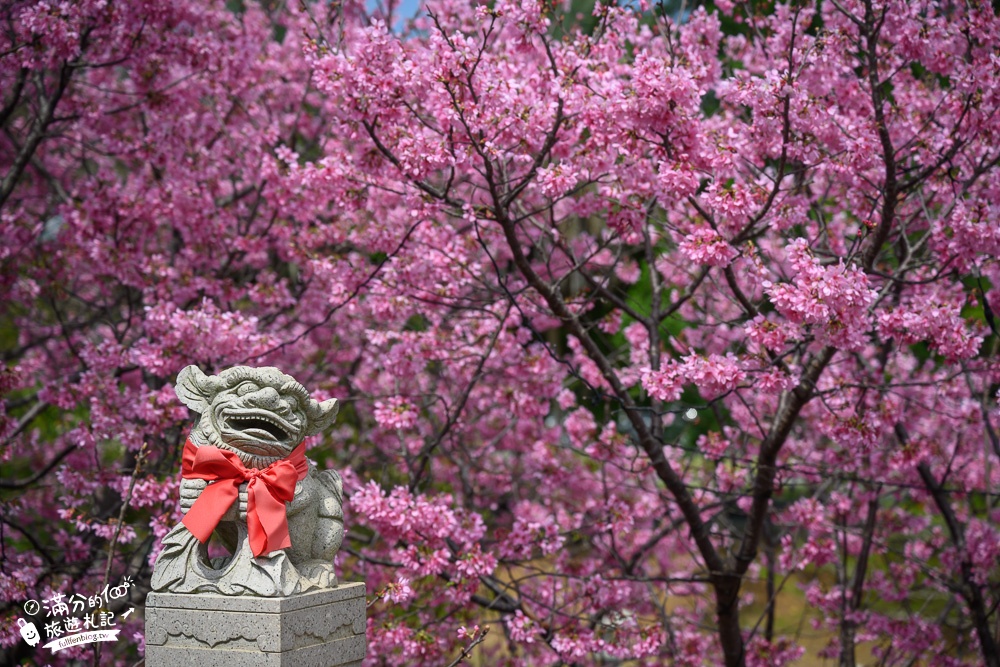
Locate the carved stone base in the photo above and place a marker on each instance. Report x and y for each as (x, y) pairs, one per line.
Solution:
(320, 629)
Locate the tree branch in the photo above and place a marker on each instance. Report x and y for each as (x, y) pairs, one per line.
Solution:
(46, 111)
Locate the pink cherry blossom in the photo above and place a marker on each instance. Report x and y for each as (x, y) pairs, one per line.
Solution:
(647, 329)
(705, 246)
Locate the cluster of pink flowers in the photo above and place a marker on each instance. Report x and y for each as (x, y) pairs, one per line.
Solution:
(664, 384)
(712, 374)
(448, 541)
(835, 299)
(705, 246)
(606, 299)
(936, 319)
(396, 413)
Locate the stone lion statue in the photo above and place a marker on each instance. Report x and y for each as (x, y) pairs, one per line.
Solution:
(246, 482)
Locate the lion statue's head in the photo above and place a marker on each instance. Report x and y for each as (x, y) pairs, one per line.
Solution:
(261, 414)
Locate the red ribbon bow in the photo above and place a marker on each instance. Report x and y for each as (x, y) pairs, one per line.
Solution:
(267, 492)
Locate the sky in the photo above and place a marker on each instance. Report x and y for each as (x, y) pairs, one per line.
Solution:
(405, 9)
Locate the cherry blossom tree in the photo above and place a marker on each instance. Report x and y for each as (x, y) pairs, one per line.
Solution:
(645, 320)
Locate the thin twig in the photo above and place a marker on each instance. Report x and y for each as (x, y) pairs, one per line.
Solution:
(477, 639)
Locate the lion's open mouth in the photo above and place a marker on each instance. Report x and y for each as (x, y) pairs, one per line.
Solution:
(261, 426)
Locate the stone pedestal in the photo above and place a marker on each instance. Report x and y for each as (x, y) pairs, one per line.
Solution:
(321, 629)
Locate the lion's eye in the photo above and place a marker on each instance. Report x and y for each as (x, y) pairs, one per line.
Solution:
(246, 388)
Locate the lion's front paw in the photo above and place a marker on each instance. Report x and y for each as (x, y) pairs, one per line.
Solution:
(190, 490)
